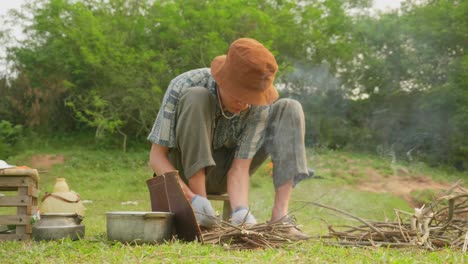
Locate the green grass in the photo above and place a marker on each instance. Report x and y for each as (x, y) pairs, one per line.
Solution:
(110, 177)
(100, 251)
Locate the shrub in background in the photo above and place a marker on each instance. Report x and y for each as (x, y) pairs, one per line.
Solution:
(9, 136)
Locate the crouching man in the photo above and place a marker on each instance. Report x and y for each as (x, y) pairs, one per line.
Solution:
(217, 125)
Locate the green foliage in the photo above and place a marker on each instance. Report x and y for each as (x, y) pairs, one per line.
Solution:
(416, 81)
(9, 136)
(394, 82)
(95, 112)
(98, 52)
(110, 61)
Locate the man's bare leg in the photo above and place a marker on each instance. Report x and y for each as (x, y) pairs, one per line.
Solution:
(282, 197)
(238, 183)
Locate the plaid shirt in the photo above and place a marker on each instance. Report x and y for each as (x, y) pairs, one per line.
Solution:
(245, 131)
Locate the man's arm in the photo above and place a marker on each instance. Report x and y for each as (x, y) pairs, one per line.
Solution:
(160, 164)
(238, 183)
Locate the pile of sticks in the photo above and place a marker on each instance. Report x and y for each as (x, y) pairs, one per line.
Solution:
(259, 236)
(442, 223)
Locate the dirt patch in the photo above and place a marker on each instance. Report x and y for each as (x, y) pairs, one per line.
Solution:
(399, 185)
(46, 161)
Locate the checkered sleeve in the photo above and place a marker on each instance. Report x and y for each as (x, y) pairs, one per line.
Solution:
(163, 129)
(253, 134)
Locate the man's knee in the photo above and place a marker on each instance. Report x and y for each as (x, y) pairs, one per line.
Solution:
(289, 108)
(290, 104)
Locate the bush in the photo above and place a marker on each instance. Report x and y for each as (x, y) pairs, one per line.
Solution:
(9, 136)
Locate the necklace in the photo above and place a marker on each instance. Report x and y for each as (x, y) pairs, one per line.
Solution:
(221, 106)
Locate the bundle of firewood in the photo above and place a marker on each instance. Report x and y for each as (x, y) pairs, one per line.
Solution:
(259, 236)
(442, 223)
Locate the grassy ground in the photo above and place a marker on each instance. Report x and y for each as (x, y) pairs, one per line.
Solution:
(110, 178)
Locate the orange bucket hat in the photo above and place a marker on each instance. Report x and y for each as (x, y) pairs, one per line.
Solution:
(247, 72)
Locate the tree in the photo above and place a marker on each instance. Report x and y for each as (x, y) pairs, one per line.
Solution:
(412, 68)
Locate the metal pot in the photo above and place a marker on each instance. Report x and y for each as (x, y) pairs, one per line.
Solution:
(140, 227)
(53, 226)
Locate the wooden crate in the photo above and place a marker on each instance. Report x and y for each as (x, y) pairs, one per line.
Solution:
(24, 184)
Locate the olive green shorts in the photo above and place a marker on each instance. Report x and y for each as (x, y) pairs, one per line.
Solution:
(283, 142)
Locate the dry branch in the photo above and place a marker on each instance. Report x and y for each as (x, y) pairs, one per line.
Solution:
(267, 235)
(442, 223)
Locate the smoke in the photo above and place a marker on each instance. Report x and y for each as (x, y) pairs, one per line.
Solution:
(312, 80)
(324, 101)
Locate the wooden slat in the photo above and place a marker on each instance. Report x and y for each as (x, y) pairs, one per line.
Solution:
(8, 201)
(22, 191)
(20, 172)
(14, 181)
(22, 229)
(5, 237)
(218, 197)
(15, 219)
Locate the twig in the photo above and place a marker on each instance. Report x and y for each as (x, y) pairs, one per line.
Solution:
(399, 225)
(465, 244)
(348, 214)
(367, 243)
(436, 225)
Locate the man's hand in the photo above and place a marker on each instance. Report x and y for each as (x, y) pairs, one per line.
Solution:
(204, 212)
(242, 216)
